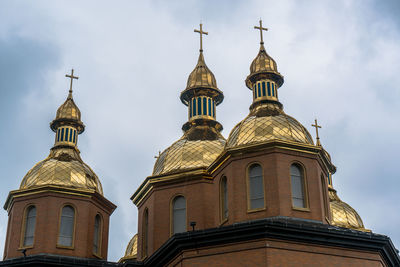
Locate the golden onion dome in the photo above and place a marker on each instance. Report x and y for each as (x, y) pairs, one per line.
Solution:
(131, 249)
(201, 76)
(63, 167)
(68, 112)
(343, 214)
(263, 65)
(197, 148)
(265, 123)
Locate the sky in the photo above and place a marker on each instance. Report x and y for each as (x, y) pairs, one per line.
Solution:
(340, 60)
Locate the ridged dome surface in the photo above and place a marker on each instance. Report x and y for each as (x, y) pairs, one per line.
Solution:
(266, 123)
(201, 76)
(343, 214)
(63, 167)
(263, 62)
(197, 148)
(131, 249)
(68, 110)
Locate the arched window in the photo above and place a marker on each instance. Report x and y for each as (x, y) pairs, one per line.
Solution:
(256, 187)
(224, 199)
(97, 235)
(67, 224)
(298, 186)
(145, 228)
(29, 231)
(179, 215)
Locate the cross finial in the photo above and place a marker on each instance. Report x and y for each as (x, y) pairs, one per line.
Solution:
(72, 77)
(201, 36)
(261, 29)
(316, 129)
(159, 154)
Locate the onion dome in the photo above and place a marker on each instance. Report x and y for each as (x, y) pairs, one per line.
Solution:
(343, 215)
(64, 166)
(197, 148)
(202, 141)
(131, 249)
(266, 121)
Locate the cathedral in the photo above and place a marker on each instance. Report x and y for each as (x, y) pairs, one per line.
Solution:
(263, 196)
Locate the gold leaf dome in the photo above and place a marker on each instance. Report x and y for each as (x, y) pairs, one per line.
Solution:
(63, 167)
(197, 148)
(343, 214)
(68, 112)
(131, 249)
(201, 76)
(265, 123)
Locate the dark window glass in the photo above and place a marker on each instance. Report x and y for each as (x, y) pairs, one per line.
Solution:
(269, 88)
(256, 187)
(66, 134)
(58, 135)
(194, 106)
(213, 108)
(66, 226)
(209, 107)
(70, 135)
(263, 88)
(198, 106)
(273, 89)
(224, 198)
(190, 109)
(297, 181)
(30, 222)
(204, 106)
(97, 234)
(145, 232)
(259, 90)
(62, 134)
(179, 215)
(75, 136)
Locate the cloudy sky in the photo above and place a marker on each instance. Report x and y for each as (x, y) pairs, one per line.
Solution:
(340, 59)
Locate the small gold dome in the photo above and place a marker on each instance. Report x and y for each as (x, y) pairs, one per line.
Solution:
(63, 167)
(197, 148)
(267, 122)
(201, 76)
(263, 62)
(131, 249)
(343, 214)
(68, 112)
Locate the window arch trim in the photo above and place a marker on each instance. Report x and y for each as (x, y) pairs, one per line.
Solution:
(100, 234)
(223, 200)
(305, 186)
(249, 209)
(171, 220)
(24, 225)
(145, 233)
(73, 230)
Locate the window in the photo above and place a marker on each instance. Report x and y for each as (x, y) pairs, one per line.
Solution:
(97, 235)
(297, 180)
(209, 107)
(273, 89)
(263, 88)
(58, 135)
(324, 195)
(145, 228)
(62, 134)
(224, 199)
(199, 106)
(256, 187)
(213, 108)
(179, 215)
(75, 136)
(269, 88)
(204, 106)
(259, 90)
(29, 231)
(67, 224)
(194, 106)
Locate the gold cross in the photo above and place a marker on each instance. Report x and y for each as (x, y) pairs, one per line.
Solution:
(201, 36)
(316, 129)
(261, 29)
(159, 153)
(72, 77)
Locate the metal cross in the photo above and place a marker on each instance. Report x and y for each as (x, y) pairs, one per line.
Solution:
(261, 29)
(201, 36)
(159, 154)
(316, 129)
(72, 77)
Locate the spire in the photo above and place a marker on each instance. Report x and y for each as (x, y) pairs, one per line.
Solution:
(201, 94)
(264, 78)
(68, 125)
